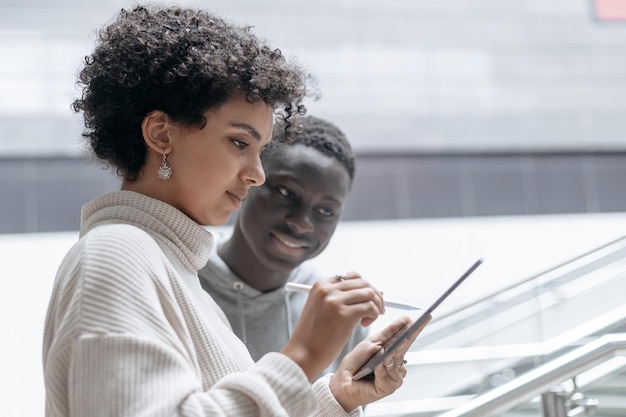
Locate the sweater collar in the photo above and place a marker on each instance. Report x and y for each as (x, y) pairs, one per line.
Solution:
(186, 239)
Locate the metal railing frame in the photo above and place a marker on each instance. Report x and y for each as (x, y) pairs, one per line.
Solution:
(542, 379)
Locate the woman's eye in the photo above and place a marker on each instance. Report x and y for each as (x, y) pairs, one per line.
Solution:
(239, 143)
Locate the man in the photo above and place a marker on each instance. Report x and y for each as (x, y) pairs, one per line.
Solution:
(283, 223)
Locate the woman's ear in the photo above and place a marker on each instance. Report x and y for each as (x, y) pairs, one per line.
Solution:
(158, 129)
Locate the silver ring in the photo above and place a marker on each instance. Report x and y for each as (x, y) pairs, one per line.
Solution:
(340, 277)
(404, 362)
(391, 365)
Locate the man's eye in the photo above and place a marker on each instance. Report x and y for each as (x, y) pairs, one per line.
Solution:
(239, 143)
(284, 191)
(326, 212)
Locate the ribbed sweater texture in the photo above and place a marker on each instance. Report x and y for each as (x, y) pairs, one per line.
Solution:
(130, 332)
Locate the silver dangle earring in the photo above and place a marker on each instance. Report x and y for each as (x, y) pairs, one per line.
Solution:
(165, 172)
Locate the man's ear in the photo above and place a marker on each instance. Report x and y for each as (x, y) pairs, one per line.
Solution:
(158, 129)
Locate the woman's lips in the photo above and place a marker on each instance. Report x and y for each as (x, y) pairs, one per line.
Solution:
(237, 197)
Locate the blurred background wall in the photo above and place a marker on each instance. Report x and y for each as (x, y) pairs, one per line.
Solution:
(455, 107)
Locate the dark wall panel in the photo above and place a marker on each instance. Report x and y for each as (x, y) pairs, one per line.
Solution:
(434, 187)
(374, 192)
(42, 195)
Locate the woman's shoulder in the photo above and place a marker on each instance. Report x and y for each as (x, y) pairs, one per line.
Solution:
(114, 275)
(118, 237)
(118, 246)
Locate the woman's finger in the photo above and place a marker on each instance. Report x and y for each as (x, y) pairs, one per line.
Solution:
(353, 289)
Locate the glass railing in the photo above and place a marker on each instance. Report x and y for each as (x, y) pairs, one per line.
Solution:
(588, 380)
(538, 308)
(598, 366)
(468, 371)
(482, 346)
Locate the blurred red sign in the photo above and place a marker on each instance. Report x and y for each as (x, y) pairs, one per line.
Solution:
(610, 9)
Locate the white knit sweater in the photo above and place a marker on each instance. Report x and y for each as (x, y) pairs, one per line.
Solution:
(130, 332)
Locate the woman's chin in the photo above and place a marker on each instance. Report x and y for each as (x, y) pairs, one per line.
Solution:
(216, 220)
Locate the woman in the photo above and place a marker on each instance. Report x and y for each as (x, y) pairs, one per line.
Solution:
(181, 104)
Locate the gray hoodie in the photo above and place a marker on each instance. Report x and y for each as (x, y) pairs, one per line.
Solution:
(263, 321)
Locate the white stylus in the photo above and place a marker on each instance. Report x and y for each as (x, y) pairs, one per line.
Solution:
(295, 287)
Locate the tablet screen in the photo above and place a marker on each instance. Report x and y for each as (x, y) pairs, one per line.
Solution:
(403, 333)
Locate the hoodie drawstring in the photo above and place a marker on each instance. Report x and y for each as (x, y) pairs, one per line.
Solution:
(238, 287)
(288, 315)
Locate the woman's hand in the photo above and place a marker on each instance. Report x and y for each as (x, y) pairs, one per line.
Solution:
(388, 376)
(334, 306)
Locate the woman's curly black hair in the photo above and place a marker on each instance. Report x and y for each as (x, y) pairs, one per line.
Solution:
(315, 133)
(182, 62)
